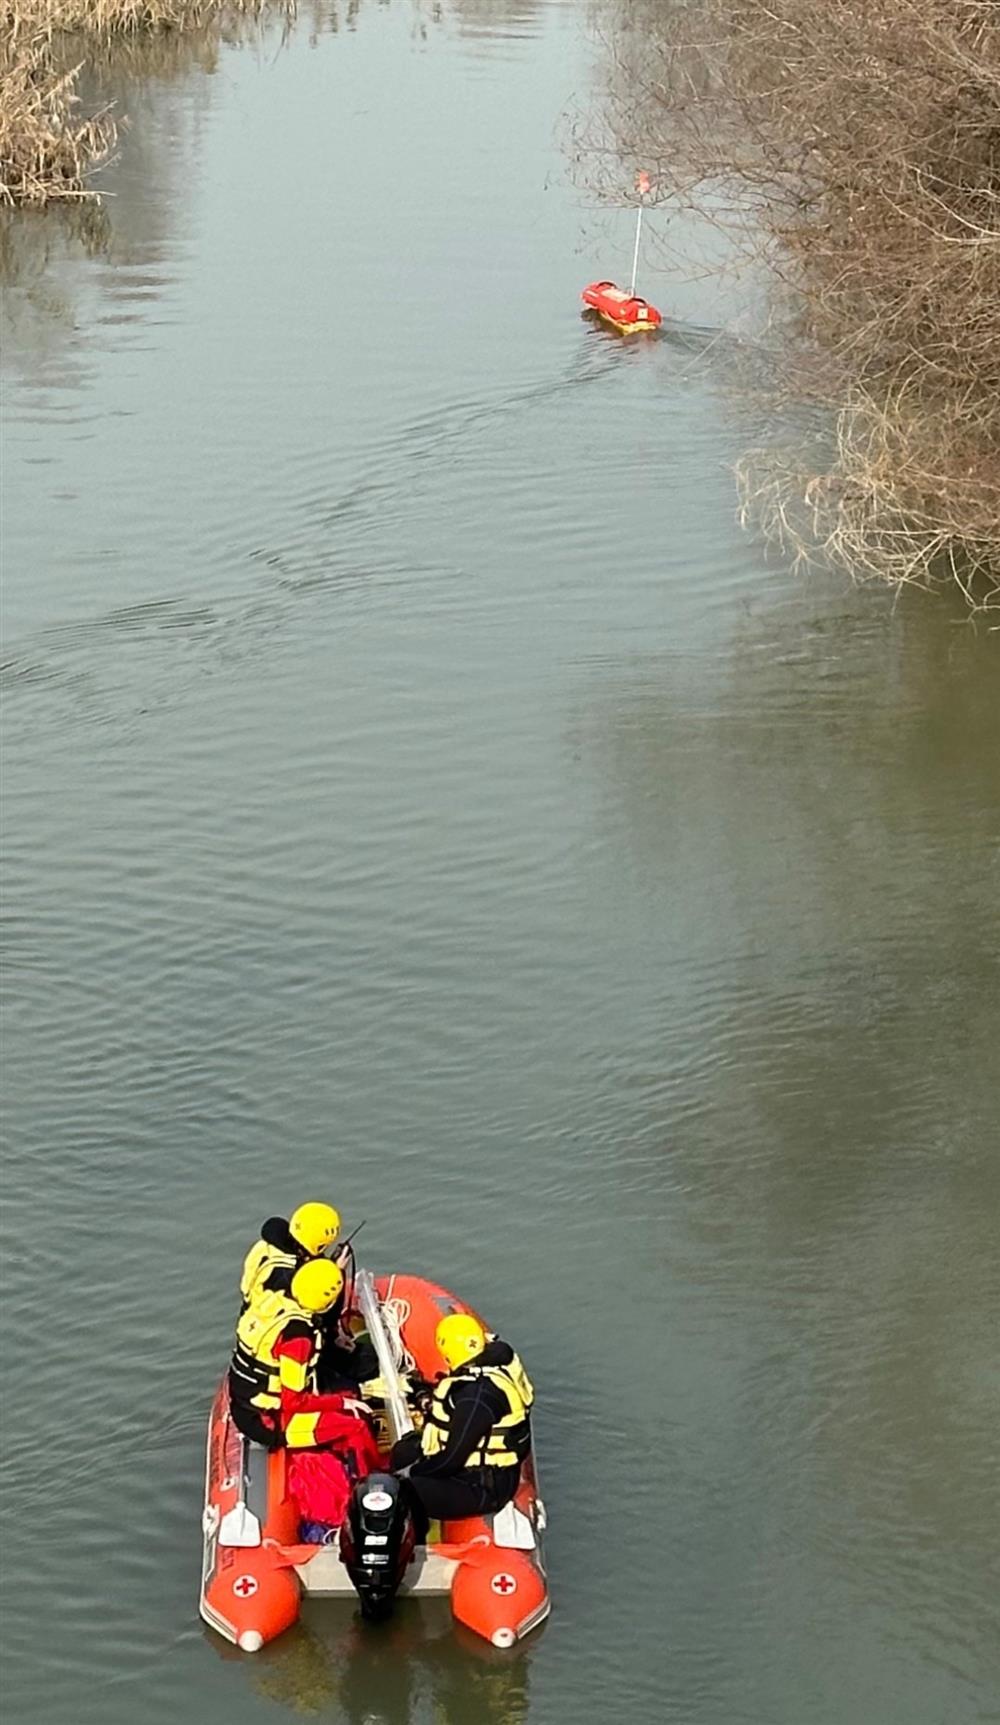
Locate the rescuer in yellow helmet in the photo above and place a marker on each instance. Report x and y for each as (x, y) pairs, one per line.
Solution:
(466, 1460)
(272, 1262)
(274, 1393)
(283, 1245)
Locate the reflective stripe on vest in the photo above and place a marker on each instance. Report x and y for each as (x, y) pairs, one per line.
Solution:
(258, 1264)
(510, 1439)
(253, 1359)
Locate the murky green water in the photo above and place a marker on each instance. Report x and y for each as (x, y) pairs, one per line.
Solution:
(418, 792)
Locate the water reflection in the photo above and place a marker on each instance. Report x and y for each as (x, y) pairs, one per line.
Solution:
(417, 1667)
(810, 1034)
(160, 87)
(495, 19)
(31, 241)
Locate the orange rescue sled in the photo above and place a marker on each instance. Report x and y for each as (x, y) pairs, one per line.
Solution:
(626, 312)
(255, 1569)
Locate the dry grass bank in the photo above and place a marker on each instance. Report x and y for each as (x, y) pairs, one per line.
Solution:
(855, 144)
(45, 150)
(48, 150)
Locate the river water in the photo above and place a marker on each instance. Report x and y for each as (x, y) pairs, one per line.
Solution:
(420, 793)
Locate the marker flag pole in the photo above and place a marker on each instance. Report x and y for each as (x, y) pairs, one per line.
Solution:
(635, 254)
(642, 186)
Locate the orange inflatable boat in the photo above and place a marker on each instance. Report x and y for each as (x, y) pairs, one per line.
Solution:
(255, 1569)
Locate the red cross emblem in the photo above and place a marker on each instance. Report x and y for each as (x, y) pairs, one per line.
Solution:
(245, 1586)
(504, 1584)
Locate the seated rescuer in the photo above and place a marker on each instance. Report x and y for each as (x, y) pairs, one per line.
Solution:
(273, 1260)
(271, 1263)
(272, 1374)
(467, 1458)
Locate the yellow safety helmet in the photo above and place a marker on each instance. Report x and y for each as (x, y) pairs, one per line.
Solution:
(459, 1337)
(315, 1285)
(315, 1226)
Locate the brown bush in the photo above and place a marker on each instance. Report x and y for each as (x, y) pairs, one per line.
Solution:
(856, 145)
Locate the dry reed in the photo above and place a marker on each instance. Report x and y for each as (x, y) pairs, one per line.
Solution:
(45, 149)
(855, 144)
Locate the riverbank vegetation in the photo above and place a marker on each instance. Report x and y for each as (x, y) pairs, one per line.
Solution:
(45, 149)
(48, 147)
(854, 147)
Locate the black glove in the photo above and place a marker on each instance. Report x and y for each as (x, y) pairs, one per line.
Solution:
(405, 1452)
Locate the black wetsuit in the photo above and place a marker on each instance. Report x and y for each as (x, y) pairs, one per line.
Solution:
(445, 1488)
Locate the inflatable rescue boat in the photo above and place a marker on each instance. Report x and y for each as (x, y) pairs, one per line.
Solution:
(255, 1567)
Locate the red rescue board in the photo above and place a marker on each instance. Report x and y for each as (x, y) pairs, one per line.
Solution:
(626, 312)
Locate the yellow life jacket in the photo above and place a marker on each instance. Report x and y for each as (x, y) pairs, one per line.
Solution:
(510, 1439)
(255, 1373)
(261, 1259)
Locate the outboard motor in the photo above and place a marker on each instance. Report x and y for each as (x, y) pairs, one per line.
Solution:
(377, 1541)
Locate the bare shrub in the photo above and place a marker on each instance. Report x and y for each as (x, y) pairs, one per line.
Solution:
(856, 145)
